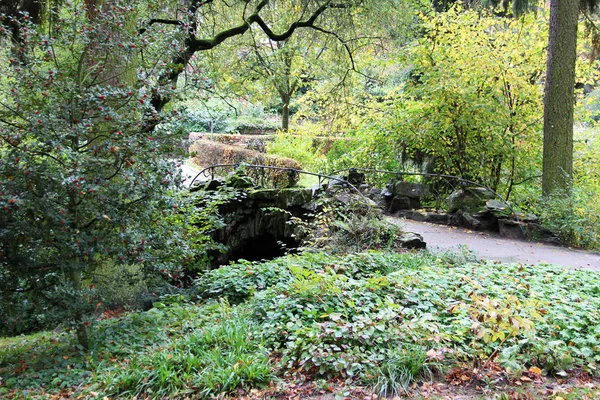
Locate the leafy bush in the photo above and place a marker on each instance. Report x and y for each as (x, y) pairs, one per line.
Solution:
(300, 148)
(574, 218)
(82, 181)
(352, 227)
(252, 125)
(471, 109)
(199, 120)
(206, 153)
(249, 142)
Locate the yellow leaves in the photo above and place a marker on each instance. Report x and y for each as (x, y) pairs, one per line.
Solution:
(536, 371)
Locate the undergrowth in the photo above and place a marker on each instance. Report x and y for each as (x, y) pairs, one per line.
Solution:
(379, 319)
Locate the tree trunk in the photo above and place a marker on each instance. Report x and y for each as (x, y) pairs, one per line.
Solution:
(285, 113)
(83, 333)
(559, 97)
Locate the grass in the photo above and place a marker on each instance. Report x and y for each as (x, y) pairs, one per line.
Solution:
(308, 181)
(378, 320)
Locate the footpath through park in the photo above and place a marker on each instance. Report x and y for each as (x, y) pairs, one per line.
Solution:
(495, 248)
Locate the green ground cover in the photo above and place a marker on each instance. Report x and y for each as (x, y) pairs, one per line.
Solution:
(380, 320)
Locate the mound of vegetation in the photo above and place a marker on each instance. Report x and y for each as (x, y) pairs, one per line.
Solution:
(207, 152)
(374, 319)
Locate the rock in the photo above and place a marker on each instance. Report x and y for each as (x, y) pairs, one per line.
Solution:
(411, 190)
(355, 178)
(412, 241)
(388, 190)
(293, 197)
(527, 230)
(347, 197)
(338, 181)
(210, 185)
(512, 229)
(214, 184)
(374, 193)
(240, 181)
(487, 220)
(398, 203)
(471, 199)
(468, 221)
(537, 232)
(429, 216)
(498, 208)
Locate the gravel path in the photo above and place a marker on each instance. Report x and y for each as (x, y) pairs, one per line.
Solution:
(494, 247)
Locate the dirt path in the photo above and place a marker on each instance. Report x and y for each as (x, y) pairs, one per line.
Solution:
(493, 247)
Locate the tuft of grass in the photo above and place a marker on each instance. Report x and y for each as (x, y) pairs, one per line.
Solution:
(399, 370)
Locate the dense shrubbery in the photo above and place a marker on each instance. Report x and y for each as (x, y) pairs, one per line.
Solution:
(83, 178)
(207, 153)
(249, 142)
(216, 117)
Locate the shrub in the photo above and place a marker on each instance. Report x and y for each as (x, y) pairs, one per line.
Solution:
(356, 226)
(206, 153)
(311, 151)
(575, 218)
(82, 181)
(298, 147)
(249, 142)
(252, 125)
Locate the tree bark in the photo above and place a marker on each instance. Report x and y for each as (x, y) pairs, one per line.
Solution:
(559, 97)
(285, 113)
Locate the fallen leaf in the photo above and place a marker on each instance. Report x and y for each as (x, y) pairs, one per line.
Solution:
(535, 371)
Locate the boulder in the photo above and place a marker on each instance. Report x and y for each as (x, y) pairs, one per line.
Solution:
(498, 208)
(209, 186)
(411, 190)
(411, 240)
(512, 229)
(470, 199)
(239, 181)
(374, 193)
(467, 220)
(336, 182)
(355, 178)
(398, 203)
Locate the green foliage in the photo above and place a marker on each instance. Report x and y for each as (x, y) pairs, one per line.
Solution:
(402, 367)
(83, 181)
(212, 115)
(301, 148)
(165, 352)
(207, 153)
(574, 218)
(249, 142)
(375, 318)
(199, 215)
(352, 226)
(209, 359)
(471, 103)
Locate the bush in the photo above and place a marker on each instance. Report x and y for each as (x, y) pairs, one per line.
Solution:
(252, 125)
(249, 142)
(575, 218)
(356, 226)
(298, 147)
(82, 181)
(206, 153)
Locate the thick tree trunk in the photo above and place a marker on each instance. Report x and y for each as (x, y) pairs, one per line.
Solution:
(559, 97)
